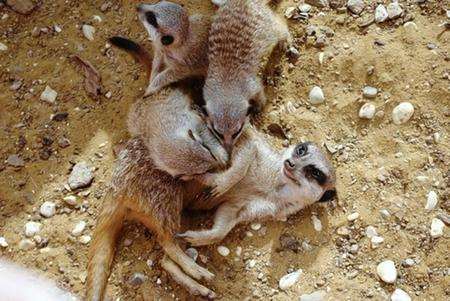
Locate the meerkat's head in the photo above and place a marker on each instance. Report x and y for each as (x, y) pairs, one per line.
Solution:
(310, 173)
(166, 22)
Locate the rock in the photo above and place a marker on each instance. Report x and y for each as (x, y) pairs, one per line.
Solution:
(88, 31)
(81, 176)
(255, 226)
(70, 200)
(16, 85)
(400, 295)
(3, 242)
(376, 240)
(293, 53)
(316, 223)
(354, 249)
(371, 231)
(318, 3)
(289, 242)
(23, 7)
(290, 279)
(315, 296)
(63, 142)
(3, 47)
(410, 26)
(370, 92)
(290, 12)
(408, 262)
(381, 14)
(343, 231)
(394, 10)
(60, 116)
(48, 209)
(437, 228)
(316, 95)
(432, 200)
(32, 228)
(352, 217)
(85, 239)
(367, 111)
(79, 228)
(49, 95)
(26, 244)
(193, 253)
(224, 251)
(356, 6)
(137, 279)
(386, 271)
(402, 113)
(15, 161)
(304, 8)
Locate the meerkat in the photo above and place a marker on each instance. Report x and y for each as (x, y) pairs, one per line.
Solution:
(242, 33)
(180, 43)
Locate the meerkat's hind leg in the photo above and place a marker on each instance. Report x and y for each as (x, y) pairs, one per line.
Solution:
(181, 278)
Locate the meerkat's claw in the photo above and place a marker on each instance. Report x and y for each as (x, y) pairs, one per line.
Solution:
(199, 238)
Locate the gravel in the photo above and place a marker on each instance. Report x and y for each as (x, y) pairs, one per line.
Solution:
(48, 209)
(402, 113)
(386, 271)
(356, 6)
(289, 280)
(437, 228)
(88, 32)
(394, 10)
(400, 295)
(316, 96)
(224, 251)
(381, 14)
(79, 228)
(370, 92)
(432, 200)
(32, 228)
(315, 296)
(81, 176)
(49, 95)
(367, 111)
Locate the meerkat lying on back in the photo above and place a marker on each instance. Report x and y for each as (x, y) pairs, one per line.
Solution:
(179, 43)
(242, 32)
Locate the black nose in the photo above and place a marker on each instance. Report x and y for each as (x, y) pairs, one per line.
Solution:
(289, 164)
(328, 196)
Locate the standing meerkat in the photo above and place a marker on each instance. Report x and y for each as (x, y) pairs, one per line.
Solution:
(179, 43)
(242, 33)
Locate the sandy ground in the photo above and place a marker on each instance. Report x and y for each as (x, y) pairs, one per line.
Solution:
(379, 165)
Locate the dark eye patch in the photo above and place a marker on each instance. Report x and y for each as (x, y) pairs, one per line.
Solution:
(151, 19)
(312, 172)
(167, 40)
(328, 196)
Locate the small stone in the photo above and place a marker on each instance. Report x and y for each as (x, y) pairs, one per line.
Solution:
(224, 251)
(410, 26)
(3, 47)
(400, 295)
(16, 85)
(293, 53)
(63, 142)
(437, 228)
(127, 242)
(49, 95)
(371, 231)
(352, 217)
(316, 95)
(315, 296)
(88, 32)
(289, 280)
(367, 111)
(385, 213)
(60, 116)
(238, 251)
(15, 161)
(108, 94)
(354, 249)
(137, 279)
(386, 271)
(289, 12)
(32, 228)
(408, 262)
(81, 176)
(57, 28)
(343, 231)
(193, 253)
(402, 113)
(3, 242)
(48, 209)
(26, 244)
(85, 239)
(23, 7)
(394, 10)
(376, 240)
(317, 224)
(381, 14)
(432, 200)
(79, 228)
(70, 200)
(304, 8)
(255, 226)
(356, 6)
(370, 92)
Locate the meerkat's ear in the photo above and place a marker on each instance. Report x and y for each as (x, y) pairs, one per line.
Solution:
(151, 19)
(253, 108)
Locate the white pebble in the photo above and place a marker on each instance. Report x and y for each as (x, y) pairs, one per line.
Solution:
(289, 12)
(81, 176)
(410, 26)
(193, 253)
(97, 18)
(88, 32)
(402, 113)
(315, 296)
(371, 231)
(3, 242)
(85, 239)
(370, 92)
(26, 244)
(437, 228)
(356, 6)
(255, 226)
(394, 10)
(386, 271)
(290, 279)
(3, 47)
(49, 95)
(352, 217)
(381, 13)
(70, 200)
(32, 228)
(224, 251)
(304, 8)
(48, 209)
(57, 28)
(432, 200)
(238, 251)
(316, 223)
(79, 228)
(367, 111)
(316, 95)
(400, 295)
(376, 240)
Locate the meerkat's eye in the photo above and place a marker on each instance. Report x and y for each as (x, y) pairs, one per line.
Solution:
(316, 174)
(167, 40)
(301, 150)
(151, 19)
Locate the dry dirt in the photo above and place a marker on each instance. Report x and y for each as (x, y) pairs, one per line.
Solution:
(379, 165)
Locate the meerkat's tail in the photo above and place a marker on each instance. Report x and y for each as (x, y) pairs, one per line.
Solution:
(137, 51)
(102, 249)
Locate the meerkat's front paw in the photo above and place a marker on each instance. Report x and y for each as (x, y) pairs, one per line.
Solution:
(199, 272)
(199, 238)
